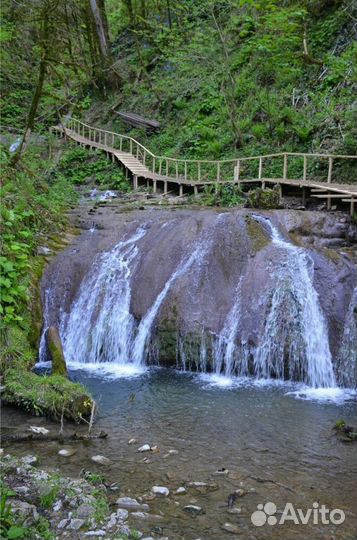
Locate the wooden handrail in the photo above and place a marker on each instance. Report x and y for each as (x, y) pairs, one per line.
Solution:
(216, 165)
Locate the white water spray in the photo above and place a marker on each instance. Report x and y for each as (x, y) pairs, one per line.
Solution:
(100, 326)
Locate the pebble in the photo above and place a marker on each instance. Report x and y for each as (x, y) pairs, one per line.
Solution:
(63, 523)
(85, 511)
(76, 524)
(160, 491)
(132, 441)
(122, 514)
(40, 430)
(57, 506)
(29, 460)
(101, 460)
(193, 510)
(222, 471)
(67, 452)
(229, 527)
(180, 491)
(21, 490)
(145, 515)
(144, 448)
(100, 532)
(128, 502)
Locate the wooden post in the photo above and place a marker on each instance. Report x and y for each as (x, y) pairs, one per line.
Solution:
(218, 171)
(165, 187)
(329, 174)
(285, 169)
(144, 158)
(137, 151)
(160, 167)
(105, 138)
(176, 166)
(238, 171)
(352, 207)
(131, 146)
(304, 174)
(260, 168)
(195, 190)
(199, 171)
(181, 190)
(167, 167)
(135, 181)
(154, 186)
(153, 164)
(304, 196)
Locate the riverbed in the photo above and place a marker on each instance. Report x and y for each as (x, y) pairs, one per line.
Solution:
(273, 441)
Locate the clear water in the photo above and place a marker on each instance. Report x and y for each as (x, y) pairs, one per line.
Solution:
(274, 438)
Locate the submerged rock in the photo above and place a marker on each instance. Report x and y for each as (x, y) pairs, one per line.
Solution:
(229, 527)
(67, 452)
(160, 491)
(193, 510)
(144, 448)
(101, 460)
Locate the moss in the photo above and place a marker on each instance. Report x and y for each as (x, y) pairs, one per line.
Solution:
(257, 235)
(266, 199)
(332, 254)
(56, 351)
(51, 396)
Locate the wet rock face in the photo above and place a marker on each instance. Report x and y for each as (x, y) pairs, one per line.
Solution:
(233, 245)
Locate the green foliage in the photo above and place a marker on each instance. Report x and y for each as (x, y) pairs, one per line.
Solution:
(9, 527)
(31, 204)
(264, 198)
(93, 478)
(80, 166)
(231, 78)
(225, 195)
(101, 505)
(47, 500)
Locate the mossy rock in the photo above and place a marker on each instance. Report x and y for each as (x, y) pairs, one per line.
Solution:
(257, 235)
(266, 199)
(54, 344)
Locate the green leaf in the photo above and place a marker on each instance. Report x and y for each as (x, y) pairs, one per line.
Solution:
(16, 532)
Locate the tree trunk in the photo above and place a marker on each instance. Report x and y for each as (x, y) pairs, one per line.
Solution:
(30, 123)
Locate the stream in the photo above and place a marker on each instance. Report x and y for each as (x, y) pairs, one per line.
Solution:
(275, 440)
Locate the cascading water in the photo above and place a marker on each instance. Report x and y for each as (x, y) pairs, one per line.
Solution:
(144, 329)
(295, 343)
(100, 326)
(347, 358)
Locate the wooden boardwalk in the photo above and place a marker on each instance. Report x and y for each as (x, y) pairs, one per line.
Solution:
(187, 176)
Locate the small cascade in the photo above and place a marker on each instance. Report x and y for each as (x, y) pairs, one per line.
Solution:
(225, 346)
(295, 327)
(144, 329)
(294, 344)
(347, 357)
(100, 326)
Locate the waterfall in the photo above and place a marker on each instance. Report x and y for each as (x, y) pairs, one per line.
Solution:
(347, 357)
(100, 326)
(224, 348)
(294, 344)
(144, 330)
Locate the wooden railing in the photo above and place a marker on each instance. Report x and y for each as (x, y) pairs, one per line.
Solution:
(305, 166)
